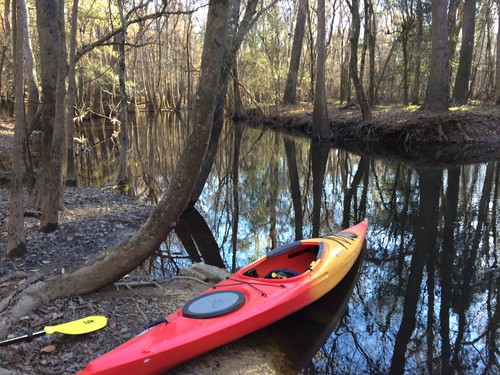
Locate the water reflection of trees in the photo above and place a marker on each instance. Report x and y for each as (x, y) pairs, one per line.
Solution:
(428, 298)
(443, 315)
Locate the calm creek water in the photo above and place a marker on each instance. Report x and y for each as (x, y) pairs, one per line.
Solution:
(426, 299)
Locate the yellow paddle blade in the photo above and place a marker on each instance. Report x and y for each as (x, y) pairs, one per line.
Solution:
(79, 327)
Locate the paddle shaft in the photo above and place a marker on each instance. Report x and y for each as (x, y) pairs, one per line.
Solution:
(26, 337)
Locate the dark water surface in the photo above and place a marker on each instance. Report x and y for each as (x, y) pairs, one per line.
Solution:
(426, 298)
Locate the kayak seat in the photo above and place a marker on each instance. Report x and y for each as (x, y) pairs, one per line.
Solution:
(281, 273)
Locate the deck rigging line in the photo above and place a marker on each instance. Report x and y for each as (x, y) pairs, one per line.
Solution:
(341, 239)
(251, 284)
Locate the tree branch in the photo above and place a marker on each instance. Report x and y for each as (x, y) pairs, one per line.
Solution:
(104, 39)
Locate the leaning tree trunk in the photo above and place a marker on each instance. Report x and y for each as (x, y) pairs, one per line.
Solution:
(130, 253)
(353, 65)
(16, 238)
(290, 96)
(232, 47)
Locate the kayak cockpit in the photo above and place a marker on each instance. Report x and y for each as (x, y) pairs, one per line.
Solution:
(287, 261)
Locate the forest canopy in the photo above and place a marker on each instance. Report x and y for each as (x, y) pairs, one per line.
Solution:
(164, 40)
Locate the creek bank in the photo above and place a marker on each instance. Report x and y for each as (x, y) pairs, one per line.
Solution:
(414, 137)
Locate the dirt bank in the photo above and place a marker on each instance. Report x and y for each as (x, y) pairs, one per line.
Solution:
(411, 136)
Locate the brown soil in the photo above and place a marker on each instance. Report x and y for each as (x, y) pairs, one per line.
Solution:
(97, 218)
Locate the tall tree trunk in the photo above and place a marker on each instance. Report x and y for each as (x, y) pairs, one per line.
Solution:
(497, 80)
(438, 88)
(70, 111)
(312, 57)
(418, 47)
(16, 237)
(353, 65)
(122, 171)
(57, 167)
(371, 52)
(404, 44)
(321, 123)
(232, 47)
(345, 84)
(453, 29)
(290, 95)
(132, 252)
(461, 88)
(46, 12)
(8, 42)
(33, 94)
(239, 111)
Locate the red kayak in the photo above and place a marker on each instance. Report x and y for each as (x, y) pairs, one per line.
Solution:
(285, 280)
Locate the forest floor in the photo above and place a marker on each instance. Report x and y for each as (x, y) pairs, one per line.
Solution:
(97, 218)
